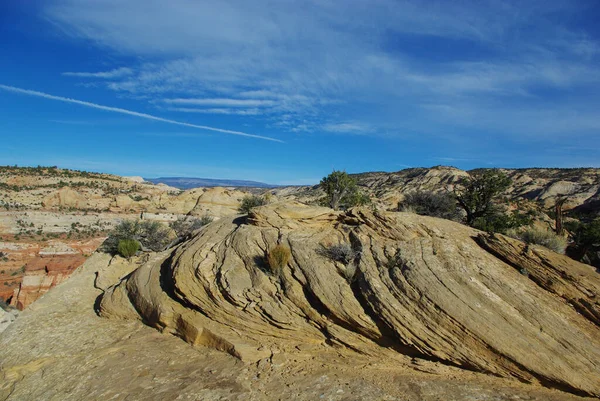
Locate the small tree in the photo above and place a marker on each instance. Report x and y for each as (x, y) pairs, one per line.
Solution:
(586, 238)
(342, 191)
(249, 202)
(128, 247)
(480, 192)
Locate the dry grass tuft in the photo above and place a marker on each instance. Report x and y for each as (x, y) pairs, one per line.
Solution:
(279, 257)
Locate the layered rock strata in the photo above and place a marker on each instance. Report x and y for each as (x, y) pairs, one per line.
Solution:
(417, 286)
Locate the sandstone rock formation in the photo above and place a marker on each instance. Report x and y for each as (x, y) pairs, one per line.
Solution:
(418, 287)
(29, 270)
(544, 185)
(7, 317)
(59, 349)
(43, 273)
(38, 203)
(65, 197)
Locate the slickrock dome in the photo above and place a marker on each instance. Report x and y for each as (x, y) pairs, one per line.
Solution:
(418, 286)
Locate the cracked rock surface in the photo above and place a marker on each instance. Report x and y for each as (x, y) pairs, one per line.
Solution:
(419, 289)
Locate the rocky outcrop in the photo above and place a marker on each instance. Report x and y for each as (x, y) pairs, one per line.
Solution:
(578, 284)
(417, 286)
(60, 349)
(7, 317)
(65, 198)
(29, 268)
(43, 273)
(544, 185)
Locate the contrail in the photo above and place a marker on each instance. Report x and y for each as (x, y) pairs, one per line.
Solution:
(129, 112)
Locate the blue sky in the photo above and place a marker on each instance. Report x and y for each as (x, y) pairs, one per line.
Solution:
(285, 91)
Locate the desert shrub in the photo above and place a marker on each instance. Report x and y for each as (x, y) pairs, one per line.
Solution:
(342, 253)
(498, 220)
(429, 203)
(186, 225)
(342, 191)
(586, 241)
(406, 208)
(544, 238)
(128, 247)
(279, 257)
(154, 235)
(249, 202)
(479, 194)
(151, 235)
(204, 220)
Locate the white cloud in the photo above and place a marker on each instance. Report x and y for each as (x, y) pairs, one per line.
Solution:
(241, 112)
(348, 128)
(221, 102)
(308, 67)
(116, 73)
(129, 112)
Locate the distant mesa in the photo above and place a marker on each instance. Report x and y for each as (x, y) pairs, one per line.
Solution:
(188, 182)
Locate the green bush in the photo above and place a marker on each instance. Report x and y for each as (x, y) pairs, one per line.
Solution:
(544, 238)
(429, 203)
(586, 239)
(497, 220)
(128, 247)
(279, 257)
(249, 202)
(151, 235)
(342, 191)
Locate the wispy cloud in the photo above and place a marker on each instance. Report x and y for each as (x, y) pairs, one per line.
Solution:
(383, 64)
(235, 111)
(129, 112)
(116, 73)
(73, 122)
(348, 128)
(221, 102)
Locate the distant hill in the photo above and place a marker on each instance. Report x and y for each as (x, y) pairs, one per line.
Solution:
(188, 182)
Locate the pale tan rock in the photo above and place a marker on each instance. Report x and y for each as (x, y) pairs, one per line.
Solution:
(123, 201)
(115, 270)
(54, 248)
(7, 317)
(60, 349)
(65, 197)
(423, 287)
(135, 178)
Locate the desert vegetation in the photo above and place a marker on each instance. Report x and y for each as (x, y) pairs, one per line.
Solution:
(186, 225)
(429, 203)
(543, 237)
(480, 196)
(151, 235)
(585, 235)
(278, 257)
(249, 202)
(342, 191)
(342, 252)
(128, 248)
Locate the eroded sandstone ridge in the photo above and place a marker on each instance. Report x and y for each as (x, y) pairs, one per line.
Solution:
(418, 286)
